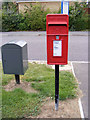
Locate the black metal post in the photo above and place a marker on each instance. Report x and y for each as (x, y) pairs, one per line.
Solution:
(17, 79)
(56, 86)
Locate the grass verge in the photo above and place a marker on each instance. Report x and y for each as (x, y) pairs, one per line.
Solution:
(18, 103)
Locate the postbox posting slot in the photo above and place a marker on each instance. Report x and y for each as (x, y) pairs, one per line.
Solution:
(57, 23)
(57, 28)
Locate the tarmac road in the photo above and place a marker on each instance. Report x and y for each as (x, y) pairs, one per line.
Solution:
(78, 51)
(78, 44)
(81, 72)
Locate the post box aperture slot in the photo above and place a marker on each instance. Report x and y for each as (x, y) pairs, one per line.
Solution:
(57, 27)
(57, 24)
(57, 48)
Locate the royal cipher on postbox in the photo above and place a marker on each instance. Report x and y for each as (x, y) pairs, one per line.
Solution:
(57, 39)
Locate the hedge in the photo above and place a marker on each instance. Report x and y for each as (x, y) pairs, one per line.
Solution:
(34, 18)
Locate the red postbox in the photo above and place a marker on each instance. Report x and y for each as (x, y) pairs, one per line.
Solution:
(57, 39)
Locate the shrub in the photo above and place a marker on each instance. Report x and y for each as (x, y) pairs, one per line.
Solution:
(10, 21)
(10, 17)
(34, 17)
(78, 18)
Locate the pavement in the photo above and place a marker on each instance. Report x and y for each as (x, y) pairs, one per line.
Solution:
(78, 54)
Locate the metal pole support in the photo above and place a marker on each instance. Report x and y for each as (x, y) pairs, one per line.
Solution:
(56, 87)
(17, 79)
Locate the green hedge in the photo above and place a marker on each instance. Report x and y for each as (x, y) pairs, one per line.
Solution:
(34, 18)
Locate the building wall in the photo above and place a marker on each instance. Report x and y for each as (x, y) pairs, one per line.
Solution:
(53, 6)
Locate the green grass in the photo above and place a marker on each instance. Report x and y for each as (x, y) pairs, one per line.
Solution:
(37, 73)
(67, 86)
(44, 81)
(19, 104)
(5, 78)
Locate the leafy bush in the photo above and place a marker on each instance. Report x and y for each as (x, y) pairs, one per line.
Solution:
(10, 17)
(34, 17)
(10, 21)
(78, 18)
